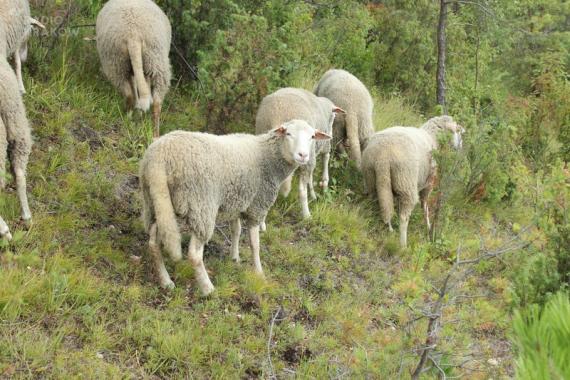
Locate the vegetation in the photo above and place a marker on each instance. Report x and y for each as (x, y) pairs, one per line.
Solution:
(78, 298)
(542, 337)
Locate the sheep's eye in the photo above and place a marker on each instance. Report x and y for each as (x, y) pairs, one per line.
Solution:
(288, 134)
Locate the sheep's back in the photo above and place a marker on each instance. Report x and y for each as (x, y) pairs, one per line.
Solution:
(404, 151)
(346, 91)
(208, 171)
(284, 105)
(122, 20)
(14, 25)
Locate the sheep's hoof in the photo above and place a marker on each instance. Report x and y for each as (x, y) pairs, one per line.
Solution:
(260, 274)
(324, 184)
(167, 285)
(263, 227)
(236, 260)
(307, 215)
(207, 290)
(27, 222)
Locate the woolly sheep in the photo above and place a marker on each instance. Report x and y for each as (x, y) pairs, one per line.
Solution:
(15, 29)
(15, 138)
(397, 162)
(133, 41)
(348, 92)
(295, 103)
(196, 178)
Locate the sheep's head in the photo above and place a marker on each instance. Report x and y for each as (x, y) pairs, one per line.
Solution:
(447, 124)
(298, 138)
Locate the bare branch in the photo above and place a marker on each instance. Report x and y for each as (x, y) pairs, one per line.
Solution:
(269, 340)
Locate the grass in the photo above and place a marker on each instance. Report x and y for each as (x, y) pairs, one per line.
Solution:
(75, 301)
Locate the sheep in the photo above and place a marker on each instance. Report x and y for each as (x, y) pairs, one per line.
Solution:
(15, 138)
(348, 92)
(397, 162)
(133, 42)
(196, 178)
(15, 29)
(295, 103)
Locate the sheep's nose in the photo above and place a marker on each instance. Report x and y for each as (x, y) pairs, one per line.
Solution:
(302, 156)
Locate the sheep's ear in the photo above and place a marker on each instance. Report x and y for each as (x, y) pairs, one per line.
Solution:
(338, 110)
(319, 135)
(35, 22)
(280, 131)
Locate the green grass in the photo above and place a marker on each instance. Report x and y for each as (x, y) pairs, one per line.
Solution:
(75, 303)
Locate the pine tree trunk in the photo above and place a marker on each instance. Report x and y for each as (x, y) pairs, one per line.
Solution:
(441, 51)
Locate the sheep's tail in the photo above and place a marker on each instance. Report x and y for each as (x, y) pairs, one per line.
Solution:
(384, 190)
(353, 137)
(157, 208)
(143, 89)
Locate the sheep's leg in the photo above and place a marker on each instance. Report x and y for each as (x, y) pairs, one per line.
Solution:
(254, 243)
(3, 155)
(236, 232)
(325, 177)
(18, 69)
(286, 186)
(129, 93)
(311, 185)
(407, 204)
(156, 108)
(4, 230)
(303, 196)
(196, 258)
(262, 225)
(21, 190)
(154, 248)
(424, 196)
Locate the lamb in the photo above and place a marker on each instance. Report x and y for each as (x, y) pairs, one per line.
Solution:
(348, 92)
(196, 178)
(397, 162)
(15, 29)
(15, 139)
(295, 103)
(133, 41)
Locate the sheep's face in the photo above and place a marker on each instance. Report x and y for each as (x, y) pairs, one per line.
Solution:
(298, 138)
(446, 123)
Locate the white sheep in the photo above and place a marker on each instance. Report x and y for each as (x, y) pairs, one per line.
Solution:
(348, 92)
(15, 138)
(196, 178)
(397, 162)
(15, 29)
(319, 112)
(133, 41)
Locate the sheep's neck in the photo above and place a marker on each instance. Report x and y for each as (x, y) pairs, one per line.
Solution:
(276, 167)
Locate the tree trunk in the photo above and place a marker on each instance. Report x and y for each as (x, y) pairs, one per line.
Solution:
(441, 51)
